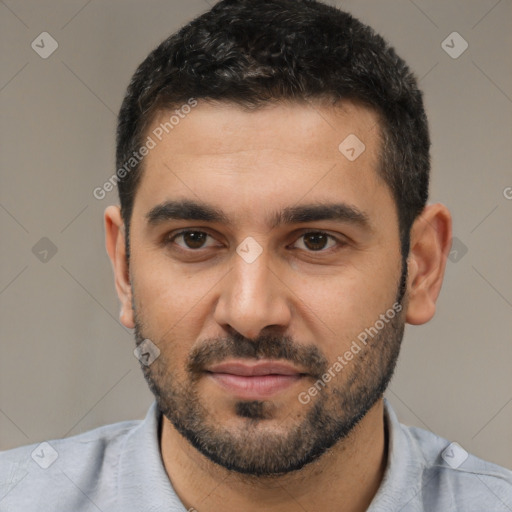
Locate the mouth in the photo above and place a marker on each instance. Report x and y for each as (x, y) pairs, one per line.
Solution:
(255, 380)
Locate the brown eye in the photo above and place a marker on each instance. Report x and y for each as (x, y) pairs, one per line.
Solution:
(194, 239)
(191, 239)
(317, 241)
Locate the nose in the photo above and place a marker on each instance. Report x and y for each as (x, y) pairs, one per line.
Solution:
(253, 298)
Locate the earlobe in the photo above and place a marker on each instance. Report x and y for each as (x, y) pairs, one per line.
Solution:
(431, 236)
(116, 249)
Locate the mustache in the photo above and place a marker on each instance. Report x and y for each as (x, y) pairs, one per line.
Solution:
(267, 346)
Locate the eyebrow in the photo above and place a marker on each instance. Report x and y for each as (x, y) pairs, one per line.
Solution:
(204, 212)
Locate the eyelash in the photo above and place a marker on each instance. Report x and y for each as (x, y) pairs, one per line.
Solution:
(170, 240)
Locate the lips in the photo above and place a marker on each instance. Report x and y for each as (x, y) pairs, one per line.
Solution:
(254, 381)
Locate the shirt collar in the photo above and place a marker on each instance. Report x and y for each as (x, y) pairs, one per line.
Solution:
(143, 484)
(404, 470)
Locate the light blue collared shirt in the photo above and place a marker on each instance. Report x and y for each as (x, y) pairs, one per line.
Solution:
(119, 468)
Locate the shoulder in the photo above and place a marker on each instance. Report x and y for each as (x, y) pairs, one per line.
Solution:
(70, 470)
(453, 479)
(426, 472)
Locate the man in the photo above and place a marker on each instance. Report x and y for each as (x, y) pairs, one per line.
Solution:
(273, 239)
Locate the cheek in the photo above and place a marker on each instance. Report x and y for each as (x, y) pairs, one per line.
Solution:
(335, 310)
(339, 307)
(169, 301)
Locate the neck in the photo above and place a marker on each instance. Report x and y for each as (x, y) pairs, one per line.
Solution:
(346, 478)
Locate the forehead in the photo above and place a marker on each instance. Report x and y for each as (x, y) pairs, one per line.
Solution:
(279, 154)
(303, 128)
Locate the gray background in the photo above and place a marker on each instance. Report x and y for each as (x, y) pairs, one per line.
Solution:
(67, 365)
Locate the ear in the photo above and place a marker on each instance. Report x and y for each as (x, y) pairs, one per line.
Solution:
(116, 249)
(431, 239)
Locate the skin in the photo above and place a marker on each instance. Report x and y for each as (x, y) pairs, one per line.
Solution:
(249, 164)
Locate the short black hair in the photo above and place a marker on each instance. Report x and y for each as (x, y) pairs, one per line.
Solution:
(254, 52)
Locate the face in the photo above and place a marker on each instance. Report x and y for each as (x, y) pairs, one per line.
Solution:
(265, 266)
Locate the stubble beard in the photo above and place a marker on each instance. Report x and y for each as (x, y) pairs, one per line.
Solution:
(261, 445)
